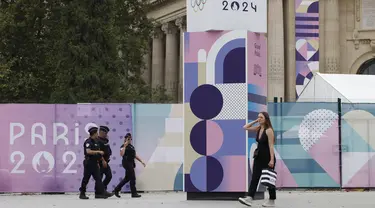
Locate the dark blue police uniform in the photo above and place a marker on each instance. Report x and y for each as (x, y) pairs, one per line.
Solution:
(91, 167)
(129, 164)
(105, 146)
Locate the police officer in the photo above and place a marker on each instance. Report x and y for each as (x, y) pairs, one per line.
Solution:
(128, 154)
(93, 155)
(105, 169)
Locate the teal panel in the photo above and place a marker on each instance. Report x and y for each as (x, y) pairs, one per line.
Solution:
(352, 141)
(310, 180)
(178, 181)
(292, 152)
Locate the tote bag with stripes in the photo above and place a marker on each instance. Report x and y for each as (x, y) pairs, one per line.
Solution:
(268, 178)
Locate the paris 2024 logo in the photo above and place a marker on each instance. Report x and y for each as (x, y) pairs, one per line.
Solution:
(47, 157)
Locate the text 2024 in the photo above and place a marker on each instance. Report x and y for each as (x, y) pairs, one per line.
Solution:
(236, 6)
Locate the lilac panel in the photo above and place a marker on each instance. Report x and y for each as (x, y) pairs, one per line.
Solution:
(42, 147)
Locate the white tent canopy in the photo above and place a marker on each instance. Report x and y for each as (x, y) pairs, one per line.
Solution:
(351, 88)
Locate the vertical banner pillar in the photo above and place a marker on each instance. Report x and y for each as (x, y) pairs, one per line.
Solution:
(307, 42)
(225, 86)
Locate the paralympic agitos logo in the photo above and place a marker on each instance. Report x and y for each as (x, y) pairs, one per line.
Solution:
(197, 5)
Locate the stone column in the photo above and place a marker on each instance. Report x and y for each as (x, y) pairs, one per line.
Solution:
(290, 56)
(275, 50)
(171, 59)
(157, 59)
(181, 23)
(146, 73)
(322, 11)
(332, 36)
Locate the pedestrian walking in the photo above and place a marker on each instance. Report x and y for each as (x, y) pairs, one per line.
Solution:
(105, 168)
(129, 155)
(264, 157)
(93, 155)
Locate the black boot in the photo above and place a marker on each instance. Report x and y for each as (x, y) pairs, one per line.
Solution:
(106, 193)
(133, 190)
(101, 196)
(136, 195)
(116, 193)
(82, 195)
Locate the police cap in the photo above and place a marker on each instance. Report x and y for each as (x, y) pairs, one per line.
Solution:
(93, 130)
(104, 128)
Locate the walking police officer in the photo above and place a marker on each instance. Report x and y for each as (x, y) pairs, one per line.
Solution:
(93, 155)
(128, 154)
(105, 169)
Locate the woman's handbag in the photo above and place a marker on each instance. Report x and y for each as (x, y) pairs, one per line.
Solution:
(268, 178)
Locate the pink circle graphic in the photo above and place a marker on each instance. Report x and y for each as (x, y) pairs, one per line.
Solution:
(214, 137)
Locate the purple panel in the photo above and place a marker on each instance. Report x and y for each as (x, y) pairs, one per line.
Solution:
(198, 137)
(220, 59)
(198, 174)
(315, 57)
(313, 8)
(233, 138)
(191, 79)
(56, 164)
(189, 187)
(235, 66)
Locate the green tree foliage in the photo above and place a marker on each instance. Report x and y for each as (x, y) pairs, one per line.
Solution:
(70, 51)
(23, 63)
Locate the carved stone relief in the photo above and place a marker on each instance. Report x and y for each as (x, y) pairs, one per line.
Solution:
(169, 28)
(367, 12)
(363, 35)
(358, 10)
(332, 65)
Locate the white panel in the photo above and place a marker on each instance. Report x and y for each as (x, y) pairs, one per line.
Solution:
(354, 87)
(351, 88)
(174, 125)
(206, 15)
(307, 94)
(167, 155)
(352, 162)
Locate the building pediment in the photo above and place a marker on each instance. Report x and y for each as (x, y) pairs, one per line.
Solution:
(166, 10)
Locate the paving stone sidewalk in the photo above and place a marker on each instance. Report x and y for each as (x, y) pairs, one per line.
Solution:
(286, 199)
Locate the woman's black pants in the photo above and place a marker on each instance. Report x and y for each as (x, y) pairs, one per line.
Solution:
(129, 177)
(257, 172)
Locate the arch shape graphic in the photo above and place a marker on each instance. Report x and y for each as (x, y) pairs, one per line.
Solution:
(214, 51)
(221, 56)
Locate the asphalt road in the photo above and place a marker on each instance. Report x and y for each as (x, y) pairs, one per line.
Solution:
(285, 199)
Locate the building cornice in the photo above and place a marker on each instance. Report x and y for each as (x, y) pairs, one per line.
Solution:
(157, 3)
(163, 11)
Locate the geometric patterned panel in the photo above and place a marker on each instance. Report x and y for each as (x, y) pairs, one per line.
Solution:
(307, 42)
(306, 141)
(161, 146)
(358, 140)
(216, 108)
(234, 103)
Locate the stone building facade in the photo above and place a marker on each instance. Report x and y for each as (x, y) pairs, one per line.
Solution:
(346, 43)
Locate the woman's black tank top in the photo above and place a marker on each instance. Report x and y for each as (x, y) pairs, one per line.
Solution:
(263, 147)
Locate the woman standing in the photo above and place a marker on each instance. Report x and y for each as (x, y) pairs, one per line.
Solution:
(128, 155)
(264, 157)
